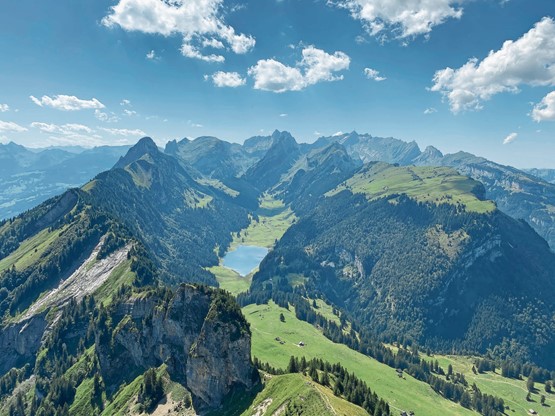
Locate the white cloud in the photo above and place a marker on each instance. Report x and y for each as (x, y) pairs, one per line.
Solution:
(11, 127)
(401, 18)
(227, 79)
(545, 109)
(191, 51)
(530, 60)
(68, 134)
(151, 55)
(430, 110)
(199, 22)
(283, 115)
(510, 138)
(124, 132)
(129, 113)
(125, 103)
(67, 102)
(4, 108)
(196, 125)
(212, 43)
(338, 133)
(373, 74)
(316, 66)
(107, 118)
(66, 129)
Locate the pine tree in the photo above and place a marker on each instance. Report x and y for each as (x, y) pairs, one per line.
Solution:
(293, 366)
(325, 378)
(530, 383)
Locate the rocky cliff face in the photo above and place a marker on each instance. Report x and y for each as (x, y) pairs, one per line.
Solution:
(199, 334)
(20, 342)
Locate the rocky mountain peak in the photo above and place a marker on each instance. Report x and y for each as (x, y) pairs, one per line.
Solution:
(144, 146)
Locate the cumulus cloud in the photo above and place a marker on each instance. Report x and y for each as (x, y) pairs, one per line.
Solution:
(199, 22)
(11, 127)
(151, 55)
(4, 108)
(227, 79)
(510, 138)
(373, 74)
(529, 60)
(124, 132)
(316, 66)
(401, 18)
(430, 110)
(67, 102)
(545, 109)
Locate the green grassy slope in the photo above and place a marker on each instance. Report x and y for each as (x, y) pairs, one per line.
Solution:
(426, 184)
(402, 394)
(287, 392)
(274, 218)
(512, 391)
(30, 250)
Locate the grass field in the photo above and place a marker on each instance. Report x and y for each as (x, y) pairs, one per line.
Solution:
(277, 392)
(426, 184)
(122, 275)
(230, 280)
(402, 394)
(274, 218)
(512, 391)
(30, 250)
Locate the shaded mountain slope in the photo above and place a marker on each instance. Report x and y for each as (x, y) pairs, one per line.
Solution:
(436, 271)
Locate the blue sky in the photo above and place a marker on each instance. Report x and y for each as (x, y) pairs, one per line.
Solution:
(107, 72)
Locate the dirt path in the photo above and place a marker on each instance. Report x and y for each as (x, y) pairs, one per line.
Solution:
(326, 400)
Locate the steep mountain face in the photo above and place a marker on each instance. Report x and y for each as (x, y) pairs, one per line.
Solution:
(180, 220)
(28, 178)
(370, 149)
(279, 158)
(518, 194)
(200, 334)
(450, 272)
(212, 157)
(314, 174)
(257, 146)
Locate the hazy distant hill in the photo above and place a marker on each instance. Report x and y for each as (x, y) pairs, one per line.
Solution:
(29, 176)
(545, 174)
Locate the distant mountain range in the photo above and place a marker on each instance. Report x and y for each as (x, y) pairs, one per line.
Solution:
(31, 176)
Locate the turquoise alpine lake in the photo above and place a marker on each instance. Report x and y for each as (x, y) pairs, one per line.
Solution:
(244, 259)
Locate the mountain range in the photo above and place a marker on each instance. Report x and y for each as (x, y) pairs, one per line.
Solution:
(109, 296)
